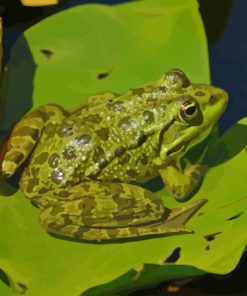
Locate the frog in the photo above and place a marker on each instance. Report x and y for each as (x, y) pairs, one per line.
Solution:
(85, 167)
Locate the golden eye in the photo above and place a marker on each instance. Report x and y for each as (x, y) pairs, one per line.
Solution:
(189, 110)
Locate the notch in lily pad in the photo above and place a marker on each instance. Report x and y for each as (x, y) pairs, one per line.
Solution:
(174, 256)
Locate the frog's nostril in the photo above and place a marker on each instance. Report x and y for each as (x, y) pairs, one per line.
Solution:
(214, 99)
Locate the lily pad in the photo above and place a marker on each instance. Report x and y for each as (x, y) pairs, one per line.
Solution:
(59, 60)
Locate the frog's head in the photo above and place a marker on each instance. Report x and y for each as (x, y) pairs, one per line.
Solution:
(194, 108)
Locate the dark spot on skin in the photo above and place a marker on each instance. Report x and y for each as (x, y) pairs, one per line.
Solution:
(83, 139)
(173, 191)
(235, 216)
(43, 190)
(57, 175)
(56, 210)
(132, 173)
(102, 163)
(35, 171)
(103, 133)
(81, 205)
(50, 114)
(16, 157)
(213, 99)
(95, 118)
(211, 237)
(53, 160)
(163, 89)
(41, 158)
(65, 130)
(37, 114)
(148, 116)
(50, 128)
(116, 106)
(174, 256)
(199, 93)
(124, 158)
(207, 248)
(98, 152)
(140, 138)
(144, 159)
(31, 184)
(76, 175)
(29, 131)
(137, 91)
(200, 214)
(102, 75)
(115, 180)
(125, 205)
(120, 150)
(93, 176)
(99, 157)
(48, 53)
(69, 152)
(147, 174)
(87, 204)
(125, 122)
(151, 100)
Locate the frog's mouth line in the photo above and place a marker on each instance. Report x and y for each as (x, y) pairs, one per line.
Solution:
(183, 147)
(179, 148)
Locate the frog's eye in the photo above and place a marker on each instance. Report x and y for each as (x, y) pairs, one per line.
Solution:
(189, 110)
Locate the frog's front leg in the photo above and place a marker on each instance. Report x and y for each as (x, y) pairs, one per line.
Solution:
(98, 211)
(179, 182)
(25, 134)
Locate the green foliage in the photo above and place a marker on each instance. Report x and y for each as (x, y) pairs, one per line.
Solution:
(134, 43)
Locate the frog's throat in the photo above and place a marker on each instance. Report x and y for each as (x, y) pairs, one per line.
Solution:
(182, 147)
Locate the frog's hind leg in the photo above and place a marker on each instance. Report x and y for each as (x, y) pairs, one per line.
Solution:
(97, 211)
(25, 134)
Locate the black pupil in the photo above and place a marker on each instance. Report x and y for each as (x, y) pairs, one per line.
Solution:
(190, 110)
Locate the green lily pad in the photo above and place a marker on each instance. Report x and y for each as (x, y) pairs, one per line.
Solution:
(59, 60)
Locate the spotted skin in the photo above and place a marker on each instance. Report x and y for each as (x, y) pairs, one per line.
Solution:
(98, 211)
(84, 165)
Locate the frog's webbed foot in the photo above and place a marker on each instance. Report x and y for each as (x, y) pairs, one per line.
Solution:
(97, 211)
(25, 134)
(179, 182)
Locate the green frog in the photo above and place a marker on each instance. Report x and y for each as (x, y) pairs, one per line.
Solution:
(85, 166)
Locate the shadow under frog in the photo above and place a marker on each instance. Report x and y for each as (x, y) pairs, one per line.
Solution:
(84, 164)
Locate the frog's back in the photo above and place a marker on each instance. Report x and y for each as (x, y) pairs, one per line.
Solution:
(108, 141)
